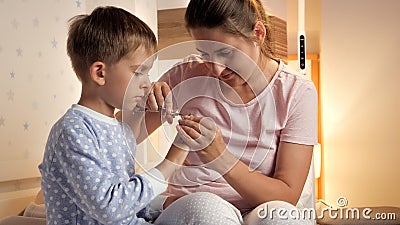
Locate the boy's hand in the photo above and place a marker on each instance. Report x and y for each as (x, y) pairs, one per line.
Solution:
(160, 99)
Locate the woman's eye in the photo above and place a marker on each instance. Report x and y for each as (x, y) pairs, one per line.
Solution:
(225, 53)
(204, 55)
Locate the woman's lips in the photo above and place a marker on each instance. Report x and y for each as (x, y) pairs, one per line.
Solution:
(227, 76)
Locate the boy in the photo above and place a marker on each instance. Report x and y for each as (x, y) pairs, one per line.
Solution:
(88, 166)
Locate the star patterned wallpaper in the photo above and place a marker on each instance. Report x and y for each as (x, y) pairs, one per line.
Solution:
(37, 83)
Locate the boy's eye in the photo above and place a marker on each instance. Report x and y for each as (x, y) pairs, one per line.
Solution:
(139, 74)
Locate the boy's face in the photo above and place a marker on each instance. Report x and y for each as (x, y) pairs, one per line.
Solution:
(128, 71)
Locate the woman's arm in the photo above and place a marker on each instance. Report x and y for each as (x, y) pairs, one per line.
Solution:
(291, 170)
(292, 165)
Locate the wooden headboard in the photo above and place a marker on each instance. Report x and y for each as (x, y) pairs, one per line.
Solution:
(171, 30)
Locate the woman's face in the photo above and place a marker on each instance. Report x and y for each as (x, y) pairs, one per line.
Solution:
(232, 58)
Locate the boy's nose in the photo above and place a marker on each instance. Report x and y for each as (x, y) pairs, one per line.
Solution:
(145, 83)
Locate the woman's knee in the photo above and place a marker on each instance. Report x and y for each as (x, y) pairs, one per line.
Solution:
(201, 208)
(208, 206)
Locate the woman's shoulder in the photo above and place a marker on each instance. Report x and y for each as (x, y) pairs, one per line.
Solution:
(288, 85)
(289, 78)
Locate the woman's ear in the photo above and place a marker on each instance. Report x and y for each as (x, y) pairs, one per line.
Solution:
(259, 33)
(98, 73)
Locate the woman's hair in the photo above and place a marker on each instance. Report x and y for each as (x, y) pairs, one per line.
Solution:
(236, 17)
(107, 35)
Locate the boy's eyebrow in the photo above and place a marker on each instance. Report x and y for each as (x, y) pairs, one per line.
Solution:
(141, 67)
(134, 67)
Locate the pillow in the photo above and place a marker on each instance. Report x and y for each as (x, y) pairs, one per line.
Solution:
(35, 210)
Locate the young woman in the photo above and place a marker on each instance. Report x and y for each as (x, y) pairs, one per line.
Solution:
(251, 158)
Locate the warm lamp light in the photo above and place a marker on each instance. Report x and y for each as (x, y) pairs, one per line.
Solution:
(317, 160)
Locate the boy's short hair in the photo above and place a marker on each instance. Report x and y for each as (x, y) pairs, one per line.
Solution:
(106, 35)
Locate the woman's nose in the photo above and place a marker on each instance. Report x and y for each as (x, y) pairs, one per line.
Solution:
(217, 69)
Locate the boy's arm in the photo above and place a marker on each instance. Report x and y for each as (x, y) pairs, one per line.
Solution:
(159, 103)
(143, 123)
(174, 158)
(80, 170)
(136, 121)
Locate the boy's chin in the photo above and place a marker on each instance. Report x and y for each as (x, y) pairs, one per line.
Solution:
(130, 106)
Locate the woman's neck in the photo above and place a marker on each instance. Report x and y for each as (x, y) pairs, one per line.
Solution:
(255, 84)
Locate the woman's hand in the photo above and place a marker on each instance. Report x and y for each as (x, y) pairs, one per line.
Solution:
(204, 136)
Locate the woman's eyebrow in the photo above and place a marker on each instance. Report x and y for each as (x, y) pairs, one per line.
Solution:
(224, 49)
(200, 50)
(219, 50)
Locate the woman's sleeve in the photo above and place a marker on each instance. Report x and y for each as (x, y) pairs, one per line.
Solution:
(302, 122)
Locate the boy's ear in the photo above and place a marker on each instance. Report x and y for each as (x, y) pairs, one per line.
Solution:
(259, 32)
(98, 73)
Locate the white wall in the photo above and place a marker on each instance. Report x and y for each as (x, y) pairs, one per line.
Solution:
(312, 25)
(147, 11)
(360, 45)
(171, 4)
(276, 7)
